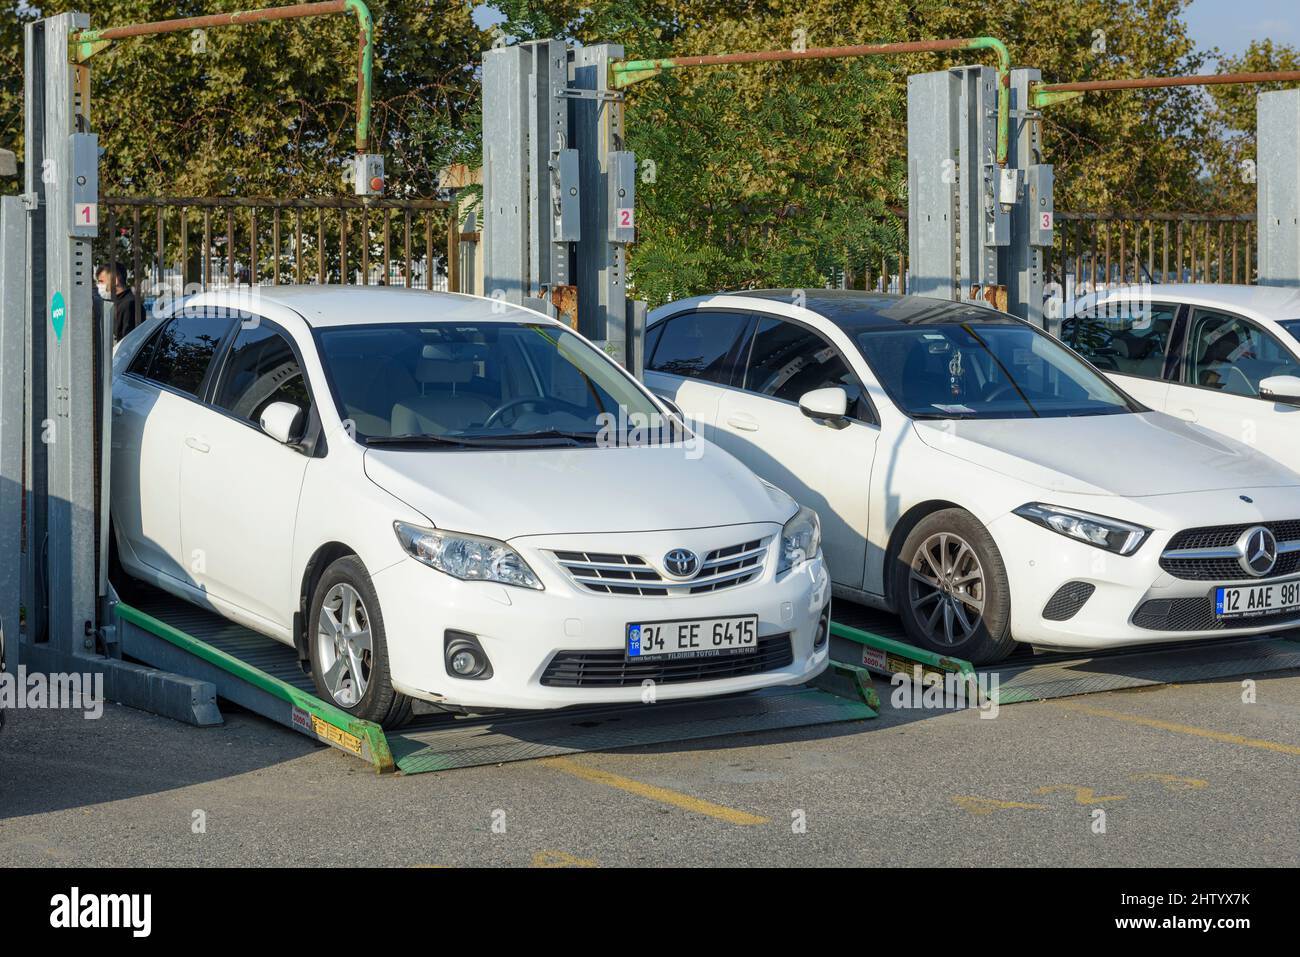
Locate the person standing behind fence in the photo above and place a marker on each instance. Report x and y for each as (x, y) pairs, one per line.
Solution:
(113, 288)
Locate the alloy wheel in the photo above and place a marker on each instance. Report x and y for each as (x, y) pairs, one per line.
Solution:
(946, 588)
(344, 645)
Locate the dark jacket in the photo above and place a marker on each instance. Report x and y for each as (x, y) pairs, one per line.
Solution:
(124, 315)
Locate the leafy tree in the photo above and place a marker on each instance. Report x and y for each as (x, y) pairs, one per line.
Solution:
(1231, 151)
(789, 174)
(266, 109)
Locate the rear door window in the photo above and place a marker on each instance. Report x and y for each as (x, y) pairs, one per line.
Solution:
(700, 345)
(182, 354)
(1124, 339)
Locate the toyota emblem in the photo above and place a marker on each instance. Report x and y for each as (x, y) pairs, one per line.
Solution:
(1257, 548)
(681, 563)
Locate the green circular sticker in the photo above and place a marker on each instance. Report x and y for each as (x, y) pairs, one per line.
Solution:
(58, 315)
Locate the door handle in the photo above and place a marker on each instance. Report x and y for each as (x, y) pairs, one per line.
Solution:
(744, 422)
(118, 408)
(197, 444)
(1187, 415)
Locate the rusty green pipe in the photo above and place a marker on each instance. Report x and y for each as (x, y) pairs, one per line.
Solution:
(86, 43)
(626, 72)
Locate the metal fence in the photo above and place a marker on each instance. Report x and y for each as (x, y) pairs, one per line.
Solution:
(175, 246)
(1095, 249)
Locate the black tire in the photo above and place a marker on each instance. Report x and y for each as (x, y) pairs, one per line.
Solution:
(379, 702)
(981, 640)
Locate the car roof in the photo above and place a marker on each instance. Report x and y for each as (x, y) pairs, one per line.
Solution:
(852, 310)
(325, 306)
(1265, 302)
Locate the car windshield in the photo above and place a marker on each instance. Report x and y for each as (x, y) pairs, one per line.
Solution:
(477, 384)
(993, 370)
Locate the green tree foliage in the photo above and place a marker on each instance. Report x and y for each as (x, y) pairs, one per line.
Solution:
(786, 174)
(1231, 151)
(266, 109)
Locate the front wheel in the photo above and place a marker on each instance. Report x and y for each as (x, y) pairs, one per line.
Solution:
(349, 650)
(950, 588)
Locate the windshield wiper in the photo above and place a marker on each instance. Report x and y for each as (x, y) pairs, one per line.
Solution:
(542, 435)
(420, 438)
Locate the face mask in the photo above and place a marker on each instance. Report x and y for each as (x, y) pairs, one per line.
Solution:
(103, 290)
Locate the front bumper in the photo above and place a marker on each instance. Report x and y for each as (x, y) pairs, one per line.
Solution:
(523, 630)
(1133, 601)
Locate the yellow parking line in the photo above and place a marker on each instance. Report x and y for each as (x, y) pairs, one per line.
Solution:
(1222, 736)
(655, 793)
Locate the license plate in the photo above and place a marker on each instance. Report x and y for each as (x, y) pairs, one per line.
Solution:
(693, 638)
(1235, 602)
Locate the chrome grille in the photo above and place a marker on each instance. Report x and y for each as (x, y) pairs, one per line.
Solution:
(613, 574)
(1209, 553)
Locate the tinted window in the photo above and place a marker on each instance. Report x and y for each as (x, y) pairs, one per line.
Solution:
(184, 350)
(1232, 355)
(140, 363)
(985, 371)
(699, 345)
(786, 361)
(1129, 339)
(260, 369)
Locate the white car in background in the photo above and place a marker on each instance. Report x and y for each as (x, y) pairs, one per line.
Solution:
(980, 479)
(1222, 356)
(434, 496)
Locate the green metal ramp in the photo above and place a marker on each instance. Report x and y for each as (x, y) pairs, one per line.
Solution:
(441, 746)
(263, 676)
(874, 640)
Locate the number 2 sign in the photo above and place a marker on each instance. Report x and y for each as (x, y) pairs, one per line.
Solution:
(626, 218)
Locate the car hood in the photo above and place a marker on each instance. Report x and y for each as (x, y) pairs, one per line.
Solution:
(508, 494)
(1125, 455)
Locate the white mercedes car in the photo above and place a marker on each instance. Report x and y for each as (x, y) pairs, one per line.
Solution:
(444, 497)
(979, 478)
(1226, 357)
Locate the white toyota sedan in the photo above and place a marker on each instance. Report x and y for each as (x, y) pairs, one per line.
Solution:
(444, 497)
(1226, 357)
(979, 478)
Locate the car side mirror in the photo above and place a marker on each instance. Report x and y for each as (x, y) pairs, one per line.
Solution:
(1281, 388)
(829, 405)
(282, 421)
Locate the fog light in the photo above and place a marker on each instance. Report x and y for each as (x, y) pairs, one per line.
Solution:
(823, 628)
(465, 657)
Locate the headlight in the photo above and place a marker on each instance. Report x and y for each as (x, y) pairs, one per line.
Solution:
(466, 557)
(801, 539)
(1111, 534)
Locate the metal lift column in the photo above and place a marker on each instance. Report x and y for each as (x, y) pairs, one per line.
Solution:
(1278, 187)
(956, 224)
(1033, 215)
(64, 402)
(68, 578)
(559, 190)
